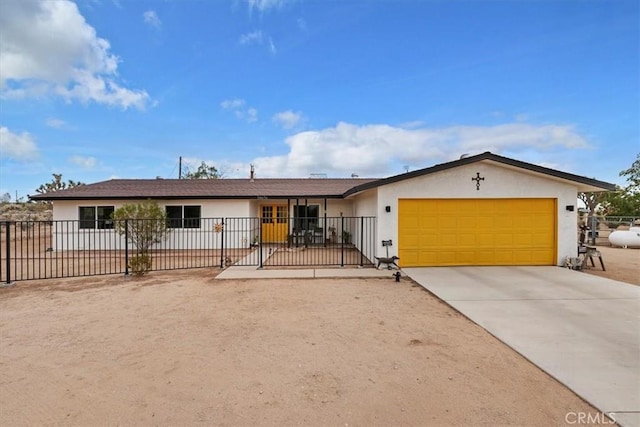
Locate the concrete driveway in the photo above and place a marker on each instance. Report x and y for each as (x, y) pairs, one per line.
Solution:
(582, 329)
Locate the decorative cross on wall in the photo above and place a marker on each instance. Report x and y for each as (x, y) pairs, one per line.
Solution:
(477, 179)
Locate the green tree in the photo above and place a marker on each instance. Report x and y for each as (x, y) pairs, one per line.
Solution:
(144, 224)
(204, 171)
(57, 184)
(633, 176)
(624, 201)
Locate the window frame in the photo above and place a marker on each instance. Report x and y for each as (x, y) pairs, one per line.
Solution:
(306, 221)
(100, 217)
(186, 218)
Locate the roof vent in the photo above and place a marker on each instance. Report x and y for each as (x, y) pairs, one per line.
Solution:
(464, 156)
(354, 175)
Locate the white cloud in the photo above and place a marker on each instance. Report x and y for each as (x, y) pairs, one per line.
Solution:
(252, 115)
(17, 146)
(263, 5)
(150, 18)
(254, 37)
(49, 49)
(258, 38)
(237, 105)
(377, 150)
(412, 124)
(288, 119)
(232, 104)
(85, 162)
(272, 46)
(55, 123)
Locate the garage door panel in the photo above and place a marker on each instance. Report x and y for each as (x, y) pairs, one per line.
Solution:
(502, 257)
(477, 232)
(465, 257)
(485, 222)
(467, 240)
(525, 240)
(485, 257)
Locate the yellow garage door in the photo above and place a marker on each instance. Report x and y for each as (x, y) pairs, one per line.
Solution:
(440, 232)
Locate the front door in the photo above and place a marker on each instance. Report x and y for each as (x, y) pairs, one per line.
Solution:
(275, 223)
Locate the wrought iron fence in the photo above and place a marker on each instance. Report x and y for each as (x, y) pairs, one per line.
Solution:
(57, 249)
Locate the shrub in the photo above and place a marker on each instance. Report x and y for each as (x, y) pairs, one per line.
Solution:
(140, 265)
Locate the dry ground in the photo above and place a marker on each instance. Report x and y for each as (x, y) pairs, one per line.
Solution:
(620, 264)
(180, 348)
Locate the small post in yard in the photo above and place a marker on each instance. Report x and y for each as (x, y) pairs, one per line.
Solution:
(342, 241)
(361, 241)
(8, 249)
(260, 245)
(222, 227)
(126, 247)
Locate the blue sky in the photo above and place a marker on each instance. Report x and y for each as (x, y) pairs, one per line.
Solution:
(102, 89)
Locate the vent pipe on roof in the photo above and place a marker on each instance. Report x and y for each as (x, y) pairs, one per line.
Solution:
(252, 173)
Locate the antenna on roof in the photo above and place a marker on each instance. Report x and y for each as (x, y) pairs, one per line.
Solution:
(180, 167)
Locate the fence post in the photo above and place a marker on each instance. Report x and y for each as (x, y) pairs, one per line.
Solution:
(342, 241)
(126, 247)
(361, 241)
(222, 231)
(8, 248)
(260, 244)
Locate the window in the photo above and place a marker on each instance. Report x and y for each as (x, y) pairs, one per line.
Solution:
(306, 216)
(183, 216)
(282, 214)
(96, 217)
(192, 217)
(267, 214)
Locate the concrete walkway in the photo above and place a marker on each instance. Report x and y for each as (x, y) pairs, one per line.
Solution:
(582, 329)
(301, 273)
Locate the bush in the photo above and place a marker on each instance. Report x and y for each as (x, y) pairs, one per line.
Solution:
(144, 224)
(140, 265)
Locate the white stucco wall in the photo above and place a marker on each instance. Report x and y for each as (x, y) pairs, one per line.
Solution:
(366, 205)
(499, 182)
(67, 235)
(68, 210)
(237, 214)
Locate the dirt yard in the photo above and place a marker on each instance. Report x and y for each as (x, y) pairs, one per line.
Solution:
(180, 348)
(620, 264)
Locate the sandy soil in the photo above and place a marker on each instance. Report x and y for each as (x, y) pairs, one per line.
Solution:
(180, 348)
(620, 264)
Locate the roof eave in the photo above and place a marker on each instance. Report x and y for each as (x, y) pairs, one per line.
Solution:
(583, 182)
(53, 197)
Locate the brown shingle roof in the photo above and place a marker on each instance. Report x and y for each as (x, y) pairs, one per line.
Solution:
(285, 188)
(207, 189)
